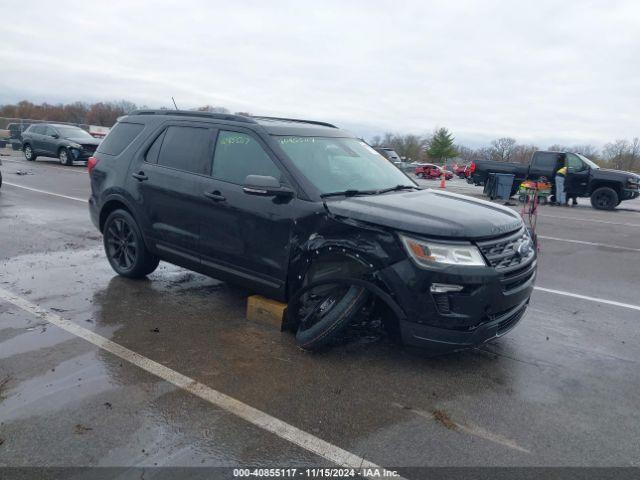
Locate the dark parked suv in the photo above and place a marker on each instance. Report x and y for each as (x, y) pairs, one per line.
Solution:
(68, 143)
(306, 213)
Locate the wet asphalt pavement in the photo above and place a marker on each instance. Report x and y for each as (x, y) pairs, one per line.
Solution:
(560, 389)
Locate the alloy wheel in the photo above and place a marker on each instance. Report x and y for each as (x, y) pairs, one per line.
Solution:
(121, 244)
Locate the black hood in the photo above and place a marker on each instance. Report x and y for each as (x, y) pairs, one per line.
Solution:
(430, 213)
(608, 174)
(84, 140)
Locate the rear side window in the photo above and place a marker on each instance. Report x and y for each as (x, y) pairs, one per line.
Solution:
(186, 148)
(120, 137)
(154, 149)
(36, 129)
(238, 155)
(545, 160)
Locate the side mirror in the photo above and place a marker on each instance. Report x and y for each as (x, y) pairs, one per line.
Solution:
(265, 186)
(55, 135)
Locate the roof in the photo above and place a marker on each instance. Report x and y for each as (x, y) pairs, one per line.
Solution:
(304, 128)
(272, 125)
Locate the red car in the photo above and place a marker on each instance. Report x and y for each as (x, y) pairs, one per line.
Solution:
(460, 170)
(431, 171)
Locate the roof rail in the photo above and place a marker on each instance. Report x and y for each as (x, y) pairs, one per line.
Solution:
(297, 120)
(195, 113)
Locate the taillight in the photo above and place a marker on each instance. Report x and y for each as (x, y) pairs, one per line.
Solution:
(472, 168)
(91, 163)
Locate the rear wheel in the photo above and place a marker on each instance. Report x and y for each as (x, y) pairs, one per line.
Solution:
(29, 154)
(64, 157)
(604, 198)
(125, 247)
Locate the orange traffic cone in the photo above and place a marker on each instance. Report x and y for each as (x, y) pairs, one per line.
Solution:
(442, 180)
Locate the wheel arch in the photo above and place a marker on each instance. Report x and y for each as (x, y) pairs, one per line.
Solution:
(615, 186)
(345, 265)
(111, 204)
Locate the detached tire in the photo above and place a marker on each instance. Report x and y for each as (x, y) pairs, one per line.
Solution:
(329, 316)
(125, 247)
(604, 198)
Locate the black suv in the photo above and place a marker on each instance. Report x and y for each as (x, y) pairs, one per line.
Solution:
(306, 213)
(66, 142)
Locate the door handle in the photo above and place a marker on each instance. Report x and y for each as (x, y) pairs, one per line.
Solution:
(216, 196)
(140, 176)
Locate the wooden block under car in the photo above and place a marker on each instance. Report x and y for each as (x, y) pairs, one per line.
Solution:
(265, 310)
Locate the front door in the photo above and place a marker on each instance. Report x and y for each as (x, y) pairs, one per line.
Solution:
(577, 181)
(245, 235)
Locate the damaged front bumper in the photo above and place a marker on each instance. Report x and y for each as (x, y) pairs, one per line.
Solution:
(487, 303)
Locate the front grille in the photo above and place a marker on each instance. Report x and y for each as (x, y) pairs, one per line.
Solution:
(89, 148)
(502, 254)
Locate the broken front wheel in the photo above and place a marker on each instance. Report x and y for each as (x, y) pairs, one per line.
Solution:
(327, 312)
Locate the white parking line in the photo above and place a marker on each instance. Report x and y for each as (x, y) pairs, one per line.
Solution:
(591, 299)
(252, 415)
(590, 220)
(583, 242)
(83, 200)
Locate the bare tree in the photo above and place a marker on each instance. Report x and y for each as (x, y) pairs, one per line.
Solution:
(502, 149)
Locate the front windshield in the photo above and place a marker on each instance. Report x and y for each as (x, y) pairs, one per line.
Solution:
(73, 132)
(588, 162)
(340, 164)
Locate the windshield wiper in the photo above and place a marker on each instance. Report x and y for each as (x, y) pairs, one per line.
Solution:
(349, 193)
(398, 187)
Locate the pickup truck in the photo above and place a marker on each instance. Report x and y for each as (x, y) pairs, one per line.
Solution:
(606, 188)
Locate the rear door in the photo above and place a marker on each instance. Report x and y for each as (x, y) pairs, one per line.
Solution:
(49, 143)
(35, 136)
(244, 235)
(169, 183)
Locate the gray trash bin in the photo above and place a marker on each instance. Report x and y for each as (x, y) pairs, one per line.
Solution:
(503, 186)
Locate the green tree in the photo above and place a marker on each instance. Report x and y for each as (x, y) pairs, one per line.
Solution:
(441, 145)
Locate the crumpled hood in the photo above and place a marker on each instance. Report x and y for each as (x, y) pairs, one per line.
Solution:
(430, 213)
(84, 140)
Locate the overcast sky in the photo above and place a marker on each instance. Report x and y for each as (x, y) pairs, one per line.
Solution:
(540, 71)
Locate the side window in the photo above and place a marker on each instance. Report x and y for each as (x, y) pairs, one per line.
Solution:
(238, 155)
(120, 137)
(154, 149)
(574, 162)
(36, 129)
(186, 148)
(545, 160)
(49, 131)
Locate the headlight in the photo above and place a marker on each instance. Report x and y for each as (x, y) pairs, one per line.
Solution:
(75, 145)
(431, 254)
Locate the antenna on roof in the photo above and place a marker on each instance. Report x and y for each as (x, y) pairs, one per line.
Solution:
(174, 103)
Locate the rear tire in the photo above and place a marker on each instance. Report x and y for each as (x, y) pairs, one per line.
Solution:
(125, 247)
(29, 154)
(329, 316)
(64, 157)
(604, 198)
